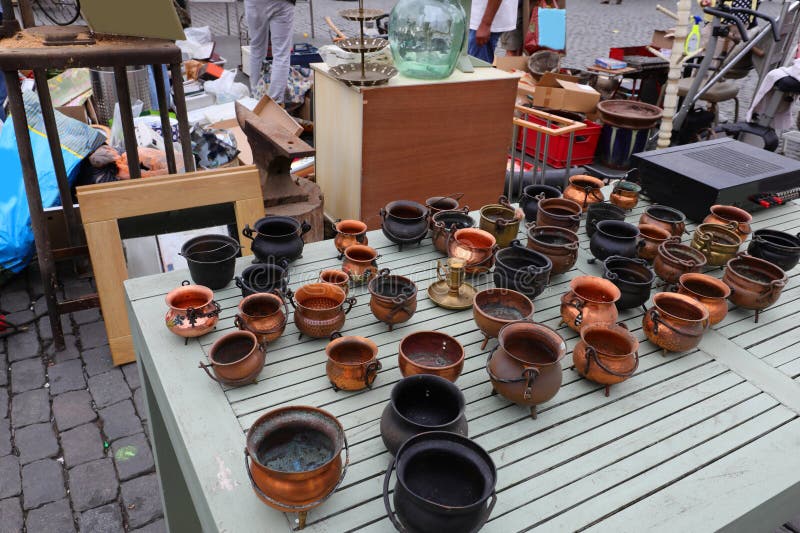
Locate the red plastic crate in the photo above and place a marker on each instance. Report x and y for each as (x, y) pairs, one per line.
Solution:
(583, 149)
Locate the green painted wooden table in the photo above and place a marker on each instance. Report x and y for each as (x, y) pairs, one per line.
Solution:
(702, 440)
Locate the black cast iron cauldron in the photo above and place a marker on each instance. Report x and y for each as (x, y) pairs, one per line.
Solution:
(264, 277)
(276, 238)
(211, 259)
(444, 223)
(601, 211)
(529, 202)
(421, 403)
(779, 248)
(632, 276)
(521, 269)
(614, 237)
(404, 222)
(444, 482)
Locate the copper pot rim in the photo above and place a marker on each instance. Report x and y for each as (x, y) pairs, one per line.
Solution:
(458, 213)
(652, 228)
(578, 281)
(351, 338)
(656, 207)
(743, 216)
(591, 181)
(323, 288)
(614, 328)
(691, 302)
(511, 213)
(541, 331)
(207, 293)
(733, 264)
(476, 305)
(257, 296)
(434, 200)
(351, 227)
(666, 250)
(625, 187)
(227, 338)
(344, 276)
(717, 230)
(439, 368)
(572, 205)
(362, 248)
(708, 280)
(408, 282)
(462, 238)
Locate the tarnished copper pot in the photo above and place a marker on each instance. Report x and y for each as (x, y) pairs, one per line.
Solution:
(606, 354)
(494, 308)
(431, 352)
(445, 223)
(352, 362)
(590, 300)
(560, 212)
(360, 262)
(264, 314)
(236, 359)
(319, 309)
(475, 246)
(525, 366)
(293, 457)
(584, 190)
(394, 298)
(676, 322)
(652, 237)
(192, 310)
(726, 215)
(501, 220)
(340, 278)
(559, 244)
(348, 233)
(718, 243)
(625, 194)
(674, 259)
(755, 283)
(665, 217)
(709, 291)
(437, 204)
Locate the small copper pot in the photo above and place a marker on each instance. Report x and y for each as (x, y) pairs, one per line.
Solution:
(584, 190)
(559, 244)
(445, 223)
(625, 194)
(561, 212)
(501, 220)
(652, 237)
(665, 217)
(319, 309)
(437, 204)
(352, 362)
(340, 278)
(263, 314)
(494, 308)
(394, 298)
(676, 322)
(726, 215)
(674, 259)
(348, 233)
(236, 359)
(192, 310)
(755, 283)
(475, 247)
(718, 243)
(590, 300)
(709, 291)
(360, 262)
(431, 352)
(606, 354)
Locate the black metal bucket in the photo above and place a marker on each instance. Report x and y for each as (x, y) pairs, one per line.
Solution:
(211, 259)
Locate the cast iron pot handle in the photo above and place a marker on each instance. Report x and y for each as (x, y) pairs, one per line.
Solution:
(290, 296)
(238, 282)
(591, 354)
(464, 209)
(516, 244)
(283, 263)
(185, 282)
(578, 304)
(351, 301)
(206, 367)
(382, 213)
(336, 335)
(372, 372)
(530, 225)
(503, 200)
(656, 318)
(248, 232)
(395, 521)
(305, 227)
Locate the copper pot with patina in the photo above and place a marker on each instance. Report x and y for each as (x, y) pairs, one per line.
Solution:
(352, 362)
(394, 298)
(264, 314)
(348, 233)
(360, 262)
(606, 354)
(718, 243)
(675, 259)
(625, 194)
(561, 212)
(590, 300)
(475, 247)
(665, 217)
(501, 220)
(709, 291)
(584, 190)
(676, 322)
(728, 215)
(236, 359)
(755, 283)
(192, 310)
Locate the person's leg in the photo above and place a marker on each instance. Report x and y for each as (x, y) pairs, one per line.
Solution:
(281, 26)
(258, 29)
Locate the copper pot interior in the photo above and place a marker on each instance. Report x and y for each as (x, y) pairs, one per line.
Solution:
(682, 252)
(334, 276)
(351, 352)
(585, 181)
(360, 253)
(432, 350)
(559, 211)
(503, 305)
(703, 288)
(664, 215)
(529, 347)
(654, 232)
(552, 238)
(441, 203)
(681, 309)
(406, 211)
(232, 350)
(187, 299)
(758, 272)
(594, 293)
(494, 213)
(608, 342)
(260, 307)
(295, 441)
(475, 240)
(316, 296)
(729, 212)
(351, 227)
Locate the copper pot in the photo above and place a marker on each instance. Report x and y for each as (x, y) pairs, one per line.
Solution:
(431, 352)
(352, 362)
(652, 237)
(494, 308)
(319, 309)
(625, 194)
(709, 291)
(261, 314)
(340, 278)
(718, 243)
(665, 217)
(584, 190)
(755, 283)
(293, 457)
(559, 244)
(606, 354)
(590, 300)
(236, 359)
(192, 310)
(674, 259)
(360, 262)
(525, 366)
(560, 212)
(676, 322)
(348, 233)
(726, 215)
(501, 220)
(445, 223)
(475, 247)
(394, 298)
(437, 204)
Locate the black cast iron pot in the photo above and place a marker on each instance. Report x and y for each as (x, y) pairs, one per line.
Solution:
(600, 211)
(275, 238)
(521, 269)
(211, 259)
(264, 277)
(445, 484)
(529, 202)
(404, 222)
(779, 248)
(614, 237)
(632, 276)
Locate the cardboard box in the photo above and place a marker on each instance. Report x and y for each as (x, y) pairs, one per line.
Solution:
(512, 63)
(559, 91)
(660, 39)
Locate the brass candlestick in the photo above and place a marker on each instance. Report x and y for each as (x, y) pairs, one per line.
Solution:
(451, 291)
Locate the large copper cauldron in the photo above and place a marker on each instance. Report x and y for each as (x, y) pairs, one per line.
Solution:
(360, 262)
(590, 300)
(192, 310)
(676, 322)
(652, 238)
(319, 309)
(560, 245)
(665, 217)
(561, 212)
(606, 354)
(431, 352)
(394, 298)
(755, 283)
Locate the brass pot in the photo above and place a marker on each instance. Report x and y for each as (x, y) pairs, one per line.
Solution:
(360, 262)
(559, 244)
(727, 215)
(584, 190)
(561, 212)
(718, 243)
(445, 223)
(709, 291)
(665, 217)
(263, 314)
(431, 352)
(475, 247)
(348, 233)
(755, 283)
(340, 278)
(352, 362)
(192, 310)
(236, 359)
(590, 300)
(674, 259)
(494, 308)
(394, 298)
(652, 237)
(319, 309)
(501, 220)
(676, 322)
(606, 354)
(625, 194)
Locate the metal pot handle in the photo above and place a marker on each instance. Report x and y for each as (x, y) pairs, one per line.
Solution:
(656, 318)
(336, 335)
(530, 225)
(206, 367)
(527, 374)
(185, 282)
(516, 244)
(290, 297)
(351, 301)
(775, 286)
(305, 227)
(389, 511)
(247, 231)
(465, 209)
(283, 263)
(591, 354)
(577, 303)
(192, 314)
(238, 282)
(372, 369)
(503, 200)
(574, 218)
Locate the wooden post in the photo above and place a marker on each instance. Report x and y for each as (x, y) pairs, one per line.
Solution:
(674, 76)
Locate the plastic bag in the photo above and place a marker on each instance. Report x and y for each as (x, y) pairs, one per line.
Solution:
(153, 162)
(117, 140)
(226, 89)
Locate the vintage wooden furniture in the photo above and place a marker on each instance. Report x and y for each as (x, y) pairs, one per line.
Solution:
(697, 441)
(411, 139)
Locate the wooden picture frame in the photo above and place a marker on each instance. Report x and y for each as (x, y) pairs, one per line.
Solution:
(103, 205)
